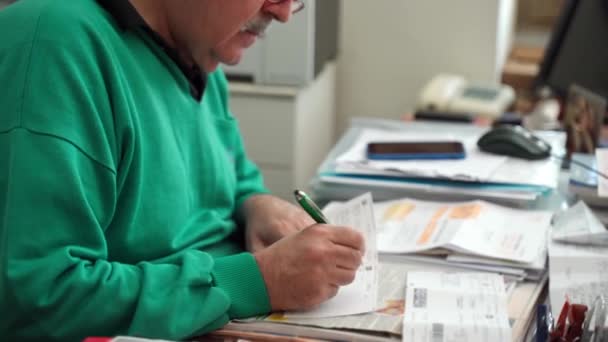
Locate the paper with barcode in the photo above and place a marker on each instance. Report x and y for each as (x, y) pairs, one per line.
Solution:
(361, 295)
(455, 307)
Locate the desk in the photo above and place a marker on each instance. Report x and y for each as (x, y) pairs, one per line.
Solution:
(522, 306)
(342, 181)
(526, 295)
(522, 300)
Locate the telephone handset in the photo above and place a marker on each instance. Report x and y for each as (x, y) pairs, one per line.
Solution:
(453, 94)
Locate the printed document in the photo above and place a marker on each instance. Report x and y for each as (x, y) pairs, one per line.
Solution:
(476, 228)
(455, 307)
(361, 295)
(578, 271)
(578, 224)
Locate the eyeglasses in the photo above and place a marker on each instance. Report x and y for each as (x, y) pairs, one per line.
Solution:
(296, 5)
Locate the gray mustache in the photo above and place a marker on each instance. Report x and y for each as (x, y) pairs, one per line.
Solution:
(258, 26)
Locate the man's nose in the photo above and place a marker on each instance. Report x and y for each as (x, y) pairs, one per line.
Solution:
(280, 11)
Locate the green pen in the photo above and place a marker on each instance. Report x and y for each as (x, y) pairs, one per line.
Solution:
(310, 207)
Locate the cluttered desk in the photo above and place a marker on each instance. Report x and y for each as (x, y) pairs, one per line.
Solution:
(452, 266)
(473, 245)
(468, 242)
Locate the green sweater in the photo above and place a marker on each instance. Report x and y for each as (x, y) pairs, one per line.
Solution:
(119, 192)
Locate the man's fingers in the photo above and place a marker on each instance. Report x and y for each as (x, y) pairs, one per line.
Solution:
(348, 237)
(346, 257)
(342, 276)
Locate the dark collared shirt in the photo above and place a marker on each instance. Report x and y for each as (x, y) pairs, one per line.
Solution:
(128, 18)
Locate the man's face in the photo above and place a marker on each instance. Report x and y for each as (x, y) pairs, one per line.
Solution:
(219, 31)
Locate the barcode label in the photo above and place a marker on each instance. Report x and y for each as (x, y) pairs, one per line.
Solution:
(420, 298)
(437, 334)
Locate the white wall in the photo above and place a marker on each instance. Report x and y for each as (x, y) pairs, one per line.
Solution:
(390, 48)
(507, 22)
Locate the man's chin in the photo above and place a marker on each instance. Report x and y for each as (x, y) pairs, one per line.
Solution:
(211, 65)
(227, 59)
(233, 61)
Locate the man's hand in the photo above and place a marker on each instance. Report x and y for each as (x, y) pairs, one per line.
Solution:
(307, 268)
(269, 219)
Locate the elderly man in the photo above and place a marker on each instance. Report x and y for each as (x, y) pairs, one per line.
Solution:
(127, 202)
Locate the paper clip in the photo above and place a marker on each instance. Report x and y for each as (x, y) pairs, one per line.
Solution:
(569, 326)
(559, 330)
(596, 316)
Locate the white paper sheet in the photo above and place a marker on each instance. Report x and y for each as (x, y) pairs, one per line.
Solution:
(509, 273)
(579, 271)
(578, 224)
(428, 189)
(477, 227)
(455, 307)
(362, 294)
(539, 263)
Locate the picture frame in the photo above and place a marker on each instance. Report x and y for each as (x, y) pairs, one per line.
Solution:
(583, 119)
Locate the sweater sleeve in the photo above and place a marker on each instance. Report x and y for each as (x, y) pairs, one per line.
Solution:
(56, 274)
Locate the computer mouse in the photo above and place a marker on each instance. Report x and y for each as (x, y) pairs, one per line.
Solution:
(514, 141)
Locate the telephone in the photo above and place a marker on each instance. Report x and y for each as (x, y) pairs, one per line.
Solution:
(453, 94)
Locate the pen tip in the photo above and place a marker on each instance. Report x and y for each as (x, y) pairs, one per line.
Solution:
(299, 195)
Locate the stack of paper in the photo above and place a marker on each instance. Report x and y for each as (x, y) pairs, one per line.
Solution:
(476, 235)
(477, 166)
(347, 172)
(386, 318)
(577, 271)
(385, 323)
(578, 257)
